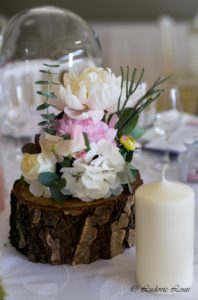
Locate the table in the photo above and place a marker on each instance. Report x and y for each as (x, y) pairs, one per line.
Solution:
(102, 280)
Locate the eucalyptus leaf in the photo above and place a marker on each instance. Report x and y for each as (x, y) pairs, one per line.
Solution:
(58, 184)
(51, 65)
(57, 195)
(47, 178)
(42, 123)
(48, 116)
(51, 131)
(47, 82)
(134, 172)
(43, 106)
(47, 72)
(47, 94)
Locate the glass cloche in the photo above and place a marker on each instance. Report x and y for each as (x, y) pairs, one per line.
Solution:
(30, 39)
(33, 37)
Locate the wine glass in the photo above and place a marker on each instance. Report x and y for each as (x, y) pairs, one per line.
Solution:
(167, 121)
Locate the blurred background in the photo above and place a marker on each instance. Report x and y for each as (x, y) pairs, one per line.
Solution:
(113, 10)
(161, 36)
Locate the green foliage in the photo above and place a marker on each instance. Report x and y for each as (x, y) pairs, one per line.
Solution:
(128, 117)
(43, 106)
(67, 162)
(47, 178)
(54, 183)
(57, 195)
(86, 141)
(49, 118)
(126, 154)
(47, 94)
(137, 133)
(123, 127)
(66, 136)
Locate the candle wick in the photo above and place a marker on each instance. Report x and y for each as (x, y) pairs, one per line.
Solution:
(164, 172)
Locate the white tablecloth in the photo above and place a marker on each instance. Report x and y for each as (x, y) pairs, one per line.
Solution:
(102, 280)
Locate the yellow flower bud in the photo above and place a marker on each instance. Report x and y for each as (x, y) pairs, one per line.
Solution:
(128, 142)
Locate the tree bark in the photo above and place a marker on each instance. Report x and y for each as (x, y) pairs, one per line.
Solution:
(73, 232)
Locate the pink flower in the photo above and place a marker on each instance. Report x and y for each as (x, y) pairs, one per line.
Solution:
(95, 132)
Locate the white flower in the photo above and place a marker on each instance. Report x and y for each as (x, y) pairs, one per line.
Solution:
(38, 190)
(56, 145)
(99, 175)
(133, 99)
(89, 94)
(34, 164)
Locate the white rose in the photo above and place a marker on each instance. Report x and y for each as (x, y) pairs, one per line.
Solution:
(33, 164)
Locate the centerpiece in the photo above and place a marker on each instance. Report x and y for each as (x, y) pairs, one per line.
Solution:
(75, 200)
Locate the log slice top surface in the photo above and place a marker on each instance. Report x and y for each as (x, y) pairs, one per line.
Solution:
(21, 192)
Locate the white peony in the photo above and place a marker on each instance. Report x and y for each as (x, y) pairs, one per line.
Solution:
(99, 175)
(91, 93)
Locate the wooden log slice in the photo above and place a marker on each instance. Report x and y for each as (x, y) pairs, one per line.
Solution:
(73, 232)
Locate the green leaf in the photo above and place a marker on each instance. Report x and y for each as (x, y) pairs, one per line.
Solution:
(137, 133)
(86, 141)
(47, 94)
(47, 72)
(51, 131)
(51, 116)
(52, 66)
(127, 122)
(43, 106)
(66, 163)
(66, 136)
(134, 172)
(47, 178)
(58, 184)
(129, 156)
(42, 82)
(58, 196)
(47, 82)
(123, 152)
(42, 123)
(122, 117)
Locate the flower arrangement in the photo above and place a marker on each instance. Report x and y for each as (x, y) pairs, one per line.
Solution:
(88, 136)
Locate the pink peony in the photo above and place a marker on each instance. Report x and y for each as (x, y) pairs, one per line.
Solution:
(95, 132)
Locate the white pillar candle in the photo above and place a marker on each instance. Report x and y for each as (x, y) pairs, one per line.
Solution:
(164, 236)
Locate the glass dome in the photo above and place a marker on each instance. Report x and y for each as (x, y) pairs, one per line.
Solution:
(30, 39)
(33, 37)
(50, 32)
